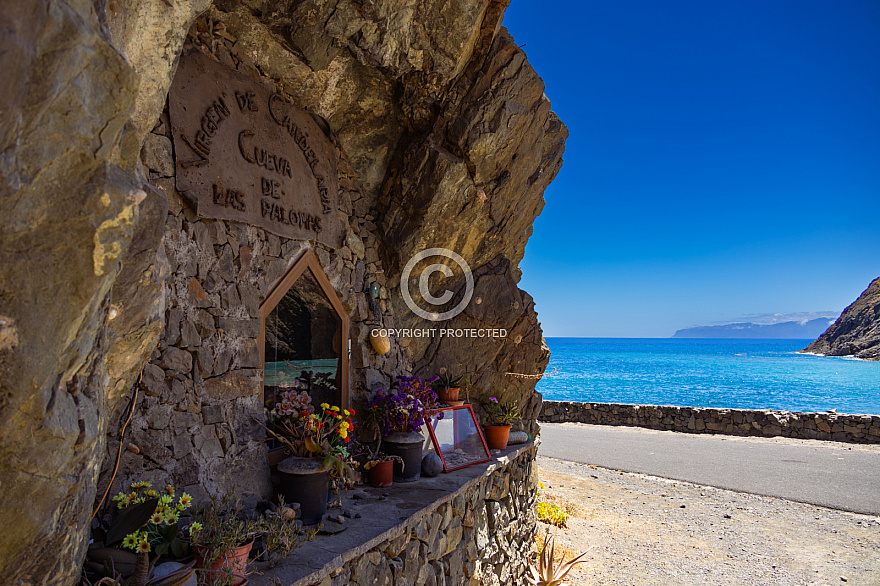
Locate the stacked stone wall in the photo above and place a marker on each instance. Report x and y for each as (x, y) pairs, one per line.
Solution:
(481, 534)
(193, 425)
(833, 426)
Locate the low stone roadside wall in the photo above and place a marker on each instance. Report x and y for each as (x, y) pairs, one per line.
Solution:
(823, 426)
(477, 527)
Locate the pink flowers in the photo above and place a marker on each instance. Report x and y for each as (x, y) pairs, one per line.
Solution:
(293, 402)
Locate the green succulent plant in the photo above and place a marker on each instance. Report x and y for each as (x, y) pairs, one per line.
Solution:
(547, 571)
(448, 381)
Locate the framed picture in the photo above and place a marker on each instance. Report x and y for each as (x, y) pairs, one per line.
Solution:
(457, 438)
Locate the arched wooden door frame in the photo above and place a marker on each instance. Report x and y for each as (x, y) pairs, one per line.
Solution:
(309, 261)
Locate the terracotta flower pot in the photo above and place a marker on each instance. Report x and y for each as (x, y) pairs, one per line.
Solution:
(447, 394)
(382, 474)
(234, 562)
(496, 436)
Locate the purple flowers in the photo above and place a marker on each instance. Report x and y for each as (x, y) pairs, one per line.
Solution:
(501, 413)
(406, 408)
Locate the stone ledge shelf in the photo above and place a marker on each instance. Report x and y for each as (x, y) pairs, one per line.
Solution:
(456, 528)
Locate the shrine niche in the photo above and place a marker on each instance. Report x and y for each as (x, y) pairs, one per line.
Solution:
(244, 153)
(304, 340)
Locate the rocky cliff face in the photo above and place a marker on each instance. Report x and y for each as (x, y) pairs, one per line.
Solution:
(445, 140)
(857, 331)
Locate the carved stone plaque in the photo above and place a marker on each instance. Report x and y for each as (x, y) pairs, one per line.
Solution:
(244, 153)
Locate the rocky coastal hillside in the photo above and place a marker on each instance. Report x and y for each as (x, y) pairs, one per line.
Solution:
(857, 331)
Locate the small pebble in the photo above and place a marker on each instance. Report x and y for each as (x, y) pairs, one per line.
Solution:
(357, 515)
(386, 494)
(844, 579)
(359, 495)
(346, 513)
(681, 506)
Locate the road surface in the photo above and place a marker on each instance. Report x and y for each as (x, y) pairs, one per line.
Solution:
(830, 474)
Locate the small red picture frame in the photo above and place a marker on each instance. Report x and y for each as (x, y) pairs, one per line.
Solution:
(457, 438)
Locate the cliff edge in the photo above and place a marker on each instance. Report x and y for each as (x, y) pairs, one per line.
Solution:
(857, 331)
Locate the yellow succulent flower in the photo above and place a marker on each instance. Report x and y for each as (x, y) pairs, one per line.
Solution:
(185, 500)
(130, 540)
(166, 500)
(152, 493)
(157, 518)
(170, 490)
(171, 517)
(143, 545)
(195, 528)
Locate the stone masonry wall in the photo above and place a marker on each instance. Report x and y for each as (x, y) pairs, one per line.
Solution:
(839, 427)
(480, 535)
(193, 424)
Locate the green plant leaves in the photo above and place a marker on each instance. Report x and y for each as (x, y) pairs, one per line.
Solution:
(131, 519)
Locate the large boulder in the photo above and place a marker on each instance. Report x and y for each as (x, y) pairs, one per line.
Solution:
(150, 33)
(67, 216)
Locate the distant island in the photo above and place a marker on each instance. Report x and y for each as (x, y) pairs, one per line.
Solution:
(794, 329)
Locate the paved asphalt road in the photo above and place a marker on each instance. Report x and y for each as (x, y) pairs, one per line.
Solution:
(830, 474)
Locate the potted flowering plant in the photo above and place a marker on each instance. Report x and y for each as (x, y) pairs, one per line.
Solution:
(147, 525)
(222, 536)
(222, 539)
(380, 467)
(160, 533)
(500, 418)
(319, 447)
(398, 415)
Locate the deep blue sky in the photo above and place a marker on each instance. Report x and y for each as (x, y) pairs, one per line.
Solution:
(723, 160)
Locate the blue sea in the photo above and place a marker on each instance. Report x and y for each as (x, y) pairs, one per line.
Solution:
(744, 374)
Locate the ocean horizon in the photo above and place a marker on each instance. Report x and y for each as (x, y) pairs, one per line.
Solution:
(709, 372)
